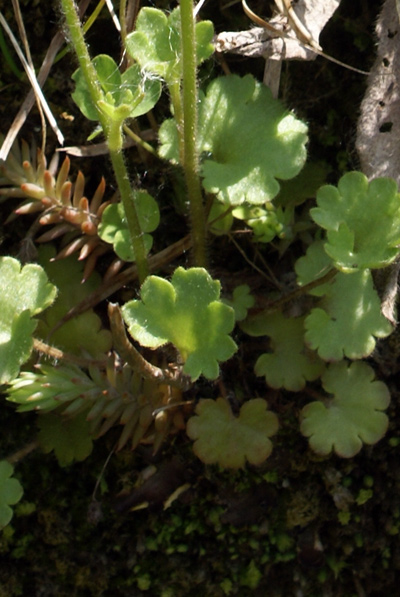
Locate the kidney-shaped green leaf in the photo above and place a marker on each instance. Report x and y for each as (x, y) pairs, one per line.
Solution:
(25, 292)
(234, 109)
(69, 438)
(290, 364)
(10, 492)
(348, 318)
(114, 228)
(362, 220)
(187, 312)
(125, 96)
(353, 416)
(221, 438)
(156, 42)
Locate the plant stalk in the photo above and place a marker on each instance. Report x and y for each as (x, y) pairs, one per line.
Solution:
(190, 155)
(113, 134)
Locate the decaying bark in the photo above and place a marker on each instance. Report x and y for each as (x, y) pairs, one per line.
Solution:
(259, 41)
(378, 131)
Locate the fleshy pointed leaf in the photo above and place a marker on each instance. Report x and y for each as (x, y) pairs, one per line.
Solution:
(49, 386)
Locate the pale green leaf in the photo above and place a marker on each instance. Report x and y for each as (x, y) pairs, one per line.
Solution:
(114, 227)
(353, 416)
(124, 96)
(231, 111)
(10, 492)
(187, 312)
(156, 43)
(362, 220)
(69, 438)
(290, 364)
(85, 331)
(25, 292)
(221, 438)
(347, 319)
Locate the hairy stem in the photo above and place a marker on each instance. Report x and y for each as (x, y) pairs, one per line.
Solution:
(56, 353)
(128, 352)
(113, 134)
(190, 155)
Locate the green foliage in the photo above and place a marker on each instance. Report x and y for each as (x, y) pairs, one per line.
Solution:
(156, 43)
(362, 220)
(83, 333)
(114, 228)
(241, 301)
(258, 184)
(25, 292)
(229, 441)
(266, 222)
(290, 365)
(348, 317)
(69, 438)
(117, 396)
(48, 387)
(187, 312)
(277, 149)
(10, 492)
(353, 416)
(126, 95)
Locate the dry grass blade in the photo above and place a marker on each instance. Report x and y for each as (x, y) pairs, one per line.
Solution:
(33, 81)
(54, 47)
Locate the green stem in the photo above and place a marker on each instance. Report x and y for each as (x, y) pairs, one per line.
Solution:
(78, 42)
(128, 201)
(174, 88)
(190, 155)
(113, 134)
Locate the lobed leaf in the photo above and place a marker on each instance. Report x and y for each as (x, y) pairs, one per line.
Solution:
(290, 364)
(348, 317)
(221, 438)
(126, 95)
(25, 292)
(156, 43)
(241, 301)
(84, 332)
(69, 438)
(353, 417)
(10, 492)
(114, 228)
(187, 312)
(233, 109)
(362, 220)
